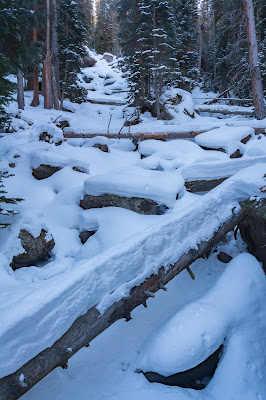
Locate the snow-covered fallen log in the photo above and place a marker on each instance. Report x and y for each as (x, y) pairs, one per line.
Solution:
(226, 110)
(112, 284)
(137, 136)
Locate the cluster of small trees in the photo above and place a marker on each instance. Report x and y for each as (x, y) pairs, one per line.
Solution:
(42, 40)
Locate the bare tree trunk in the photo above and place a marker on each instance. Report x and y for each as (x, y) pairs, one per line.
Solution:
(55, 61)
(48, 100)
(256, 79)
(35, 101)
(20, 95)
(156, 88)
(201, 31)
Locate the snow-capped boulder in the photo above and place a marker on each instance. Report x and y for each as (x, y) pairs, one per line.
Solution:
(108, 57)
(229, 139)
(140, 190)
(89, 62)
(36, 249)
(174, 102)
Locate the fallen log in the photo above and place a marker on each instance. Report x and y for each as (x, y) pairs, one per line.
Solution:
(107, 102)
(90, 325)
(138, 136)
(226, 110)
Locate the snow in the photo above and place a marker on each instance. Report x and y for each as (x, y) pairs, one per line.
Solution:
(233, 313)
(107, 369)
(39, 303)
(228, 138)
(162, 187)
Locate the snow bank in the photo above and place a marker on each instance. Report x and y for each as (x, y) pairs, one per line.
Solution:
(38, 313)
(233, 313)
(175, 153)
(159, 186)
(227, 138)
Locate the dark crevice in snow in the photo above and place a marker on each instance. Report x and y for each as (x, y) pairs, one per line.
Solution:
(195, 378)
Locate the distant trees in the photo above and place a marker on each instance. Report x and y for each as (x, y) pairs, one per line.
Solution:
(159, 45)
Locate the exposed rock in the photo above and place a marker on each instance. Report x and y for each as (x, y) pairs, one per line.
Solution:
(236, 154)
(194, 378)
(108, 57)
(78, 94)
(109, 82)
(85, 235)
(16, 156)
(102, 147)
(203, 185)
(246, 139)
(12, 165)
(87, 79)
(224, 257)
(62, 124)
(174, 102)
(137, 204)
(36, 249)
(89, 62)
(44, 171)
(253, 230)
(80, 169)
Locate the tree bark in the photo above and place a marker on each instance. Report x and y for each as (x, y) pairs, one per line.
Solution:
(256, 79)
(156, 87)
(20, 94)
(35, 101)
(90, 325)
(201, 31)
(48, 100)
(55, 61)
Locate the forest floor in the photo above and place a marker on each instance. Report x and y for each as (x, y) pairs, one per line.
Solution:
(39, 303)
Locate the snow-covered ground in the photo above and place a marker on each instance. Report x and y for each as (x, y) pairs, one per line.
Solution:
(39, 303)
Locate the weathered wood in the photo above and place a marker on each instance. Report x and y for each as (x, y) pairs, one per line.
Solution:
(107, 102)
(138, 136)
(254, 61)
(225, 111)
(90, 325)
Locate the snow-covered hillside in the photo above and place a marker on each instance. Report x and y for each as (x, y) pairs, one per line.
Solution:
(156, 222)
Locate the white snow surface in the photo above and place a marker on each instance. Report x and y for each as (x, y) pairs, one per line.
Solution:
(109, 276)
(159, 186)
(233, 313)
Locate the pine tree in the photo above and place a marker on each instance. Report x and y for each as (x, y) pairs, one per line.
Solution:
(72, 41)
(6, 89)
(17, 19)
(105, 29)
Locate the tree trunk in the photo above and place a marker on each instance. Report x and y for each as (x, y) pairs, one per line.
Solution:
(20, 95)
(48, 100)
(55, 61)
(156, 87)
(35, 101)
(256, 79)
(201, 31)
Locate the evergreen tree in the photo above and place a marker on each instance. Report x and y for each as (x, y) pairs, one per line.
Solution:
(6, 89)
(72, 41)
(186, 21)
(106, 27)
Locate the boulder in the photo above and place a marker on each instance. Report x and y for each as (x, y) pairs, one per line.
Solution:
(36, 249)
(253, 229)
(44, 171)
(85, 235)
(108, 57)
(224, 257)
(89, 62)
(175, 102)
(102, 147)
(136, 204)
(87, 79)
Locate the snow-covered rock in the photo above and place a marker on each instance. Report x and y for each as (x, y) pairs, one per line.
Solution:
(230, 139)
(162, 187)
(176, 101)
